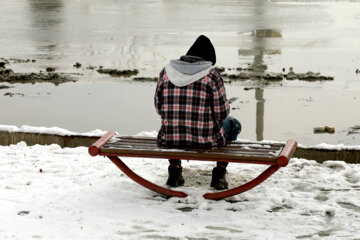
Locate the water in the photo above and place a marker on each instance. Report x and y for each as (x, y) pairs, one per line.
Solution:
(318, 36)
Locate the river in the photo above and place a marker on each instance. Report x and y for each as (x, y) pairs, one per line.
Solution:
(312, 36)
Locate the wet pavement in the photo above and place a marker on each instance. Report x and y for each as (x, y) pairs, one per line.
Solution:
(290, 66)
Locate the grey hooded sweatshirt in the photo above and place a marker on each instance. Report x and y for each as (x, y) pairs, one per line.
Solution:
(181, 73)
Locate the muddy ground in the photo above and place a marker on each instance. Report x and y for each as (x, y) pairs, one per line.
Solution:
(8, 75)
(354, 130)
(243, 74)
(229, 74)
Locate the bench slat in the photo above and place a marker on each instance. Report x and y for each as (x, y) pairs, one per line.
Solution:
(228, 147)
(153, 140)
(243, 159)
(258, 158)
(264, 153)
(225, 152)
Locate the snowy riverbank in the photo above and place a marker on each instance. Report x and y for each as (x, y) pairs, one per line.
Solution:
(50, 192)
(50, 130)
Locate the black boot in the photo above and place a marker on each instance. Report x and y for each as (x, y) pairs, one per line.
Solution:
(218, 180)
(175, 178)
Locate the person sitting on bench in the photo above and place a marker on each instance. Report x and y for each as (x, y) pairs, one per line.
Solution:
(190, 97)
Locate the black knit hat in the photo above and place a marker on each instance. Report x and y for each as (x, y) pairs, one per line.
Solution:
(203, 48)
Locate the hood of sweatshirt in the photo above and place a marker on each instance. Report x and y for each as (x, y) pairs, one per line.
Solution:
(181, 73)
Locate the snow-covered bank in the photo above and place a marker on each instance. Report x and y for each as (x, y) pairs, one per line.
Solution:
(325, 146)
(70, 195)
(50, 130)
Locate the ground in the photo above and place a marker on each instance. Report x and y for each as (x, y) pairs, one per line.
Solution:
(52, 193)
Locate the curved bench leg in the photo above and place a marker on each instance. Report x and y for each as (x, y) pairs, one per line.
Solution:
(156, 188)
(249, 185)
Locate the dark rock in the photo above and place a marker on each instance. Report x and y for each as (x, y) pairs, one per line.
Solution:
(7, 75)
(5, 61)
(2, 64)
(50, 69)
(233, 99)
(77, 65)
(6, 72)
(240, 76)
(16, 60)
(354, 130)
(13, 94)
(91, 67)
(248, 88)
(268, 76)
(273, 76)
(22, 213)
(309, 76)
(220, 69)
(117, 73)
(4, 87)
(291, 75)
(145, 79)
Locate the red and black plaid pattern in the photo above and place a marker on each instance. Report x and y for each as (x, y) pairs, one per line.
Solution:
(192, 116)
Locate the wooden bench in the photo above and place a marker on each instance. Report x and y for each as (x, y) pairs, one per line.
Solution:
(274, 154)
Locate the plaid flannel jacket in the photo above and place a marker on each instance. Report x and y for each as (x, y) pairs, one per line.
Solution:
(192, 116)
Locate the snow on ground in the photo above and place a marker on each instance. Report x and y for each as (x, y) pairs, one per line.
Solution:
(51, 130)
(47, 192)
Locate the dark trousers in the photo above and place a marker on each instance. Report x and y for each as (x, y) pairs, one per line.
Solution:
(232, 128)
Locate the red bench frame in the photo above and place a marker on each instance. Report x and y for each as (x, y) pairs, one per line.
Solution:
(281, 161)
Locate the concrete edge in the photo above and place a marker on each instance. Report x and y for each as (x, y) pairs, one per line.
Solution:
(8, 138)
